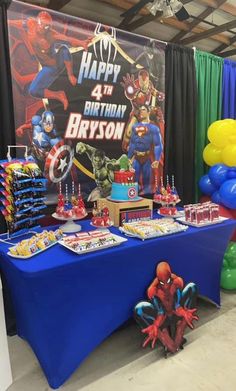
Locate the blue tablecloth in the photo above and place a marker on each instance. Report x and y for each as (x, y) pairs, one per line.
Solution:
(67, 304)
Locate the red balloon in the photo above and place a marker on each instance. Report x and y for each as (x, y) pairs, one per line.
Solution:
(230, 213)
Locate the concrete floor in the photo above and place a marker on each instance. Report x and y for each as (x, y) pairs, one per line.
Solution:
(207, 362)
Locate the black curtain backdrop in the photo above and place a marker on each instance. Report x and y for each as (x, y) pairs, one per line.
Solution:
(7, 134)
(180, 117)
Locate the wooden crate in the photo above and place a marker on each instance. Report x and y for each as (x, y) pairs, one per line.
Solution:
(127, 211)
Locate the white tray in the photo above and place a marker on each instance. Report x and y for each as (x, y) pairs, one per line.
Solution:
(156, 235)
(204, 224)
(31, 255)
(118, 238)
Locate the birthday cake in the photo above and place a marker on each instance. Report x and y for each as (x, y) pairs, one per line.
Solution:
(124, 187)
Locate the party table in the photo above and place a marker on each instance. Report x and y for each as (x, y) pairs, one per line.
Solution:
(66, 304)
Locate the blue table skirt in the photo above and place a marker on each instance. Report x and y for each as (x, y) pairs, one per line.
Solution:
(67, 304)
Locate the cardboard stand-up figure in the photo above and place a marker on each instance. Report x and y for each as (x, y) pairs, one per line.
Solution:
(170, 309)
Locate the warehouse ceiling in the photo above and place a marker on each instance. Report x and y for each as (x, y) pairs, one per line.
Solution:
(210, 24)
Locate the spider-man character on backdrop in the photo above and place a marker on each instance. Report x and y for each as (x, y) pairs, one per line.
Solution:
(51, 49)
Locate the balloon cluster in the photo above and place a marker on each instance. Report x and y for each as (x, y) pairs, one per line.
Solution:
(220, 184)
(228, 273)
(222, 146)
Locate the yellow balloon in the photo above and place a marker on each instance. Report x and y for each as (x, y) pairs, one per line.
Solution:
(219, 132)
(212, 155)
(232, 139)
(229, 155)
(229, 120)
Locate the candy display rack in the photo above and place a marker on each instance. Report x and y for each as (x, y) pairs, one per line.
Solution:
(9, 235)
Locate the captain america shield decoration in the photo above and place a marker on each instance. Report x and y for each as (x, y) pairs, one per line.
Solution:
(59, 162)
(132, 192)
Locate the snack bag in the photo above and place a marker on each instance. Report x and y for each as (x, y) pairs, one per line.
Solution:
(33, 170)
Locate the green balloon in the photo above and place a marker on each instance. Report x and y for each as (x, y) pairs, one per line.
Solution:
(228, 256)
(231, 249)
(228, 279)
(228, 272)
(232, 263)
(225, 263)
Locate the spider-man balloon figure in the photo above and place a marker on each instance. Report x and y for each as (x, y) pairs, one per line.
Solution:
(170, 310)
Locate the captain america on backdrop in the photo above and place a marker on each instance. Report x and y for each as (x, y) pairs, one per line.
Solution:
(47, 147)
(44, 131)
(145, 149)
(43, 134)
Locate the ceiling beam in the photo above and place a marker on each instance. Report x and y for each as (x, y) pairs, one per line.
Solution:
(224, 45)
(209, 33)
(141, 21)
(125, 5)
(125, 22)
(208, 11)
(128, 15)
(136, 7)
(229, 8)
(229, 53)
(56, 5)
(173, 22)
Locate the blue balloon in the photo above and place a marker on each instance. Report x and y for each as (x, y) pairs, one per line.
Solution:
(216, 198)
(218, 174)
(206, 186)
(228, 193)
(231, 173)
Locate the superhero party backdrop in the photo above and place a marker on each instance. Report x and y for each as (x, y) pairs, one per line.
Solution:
(84, 93)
